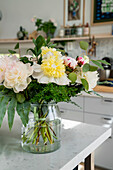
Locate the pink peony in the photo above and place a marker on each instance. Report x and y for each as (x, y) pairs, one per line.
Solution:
(81, 60)
(70, 62)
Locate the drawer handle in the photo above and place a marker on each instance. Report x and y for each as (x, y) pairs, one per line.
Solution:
(61, 111)
(107, 120)
(108, 100)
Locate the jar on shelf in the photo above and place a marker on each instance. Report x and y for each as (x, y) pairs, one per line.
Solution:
(79, 31)
(86, 30)
(67, 32)
(61, 32)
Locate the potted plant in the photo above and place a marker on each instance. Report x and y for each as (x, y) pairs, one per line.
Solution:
(49, 27)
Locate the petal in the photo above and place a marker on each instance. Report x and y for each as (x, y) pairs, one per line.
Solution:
(37, 68)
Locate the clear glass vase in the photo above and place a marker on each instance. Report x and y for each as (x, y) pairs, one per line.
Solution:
(43, 131)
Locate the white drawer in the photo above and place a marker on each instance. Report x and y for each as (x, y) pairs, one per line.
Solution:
(78, 100)
(72, 115)
(99, 105)
(99, 119)
(104, 154)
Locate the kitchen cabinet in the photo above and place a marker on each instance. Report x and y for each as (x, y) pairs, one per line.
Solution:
(71, 111)
(97, 111)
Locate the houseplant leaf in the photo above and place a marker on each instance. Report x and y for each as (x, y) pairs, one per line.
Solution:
(16, 46)
(20, 111)
(84, 45)
(3, 106)
(11, 112)
(86, 67)
(85, 84)
(98, 64)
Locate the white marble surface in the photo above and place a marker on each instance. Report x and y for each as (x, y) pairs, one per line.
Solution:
(78, 141)
(103, 94)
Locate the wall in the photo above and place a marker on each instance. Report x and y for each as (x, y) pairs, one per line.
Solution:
(18, 13)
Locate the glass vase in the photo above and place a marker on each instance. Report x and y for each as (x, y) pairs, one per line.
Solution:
(42, 134)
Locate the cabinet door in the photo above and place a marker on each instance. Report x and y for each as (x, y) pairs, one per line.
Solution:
(99, 105)
(68, 106)
(104, 154)
(72, 115)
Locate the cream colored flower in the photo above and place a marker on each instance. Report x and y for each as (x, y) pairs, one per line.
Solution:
(4, 62)
(3, 65)
(17, 76)
(52, 70)
(91, 77)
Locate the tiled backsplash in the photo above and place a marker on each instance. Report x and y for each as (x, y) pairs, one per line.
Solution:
(103, 49)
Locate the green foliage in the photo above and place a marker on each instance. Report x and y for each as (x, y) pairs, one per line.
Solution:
(20, 97)
(39, 42)
(23, 110)
(93, 68)
(96, 62)
(103, 61)
(84, 45)
(85, 84)
(72, 76)
(26, 60)
(16, 46)
(11, 111)
(48, 27)
(38, 23)
(52, 92)
(3, 106)
(12, 51)
(86, 67)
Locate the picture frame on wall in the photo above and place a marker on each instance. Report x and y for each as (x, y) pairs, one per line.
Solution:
(102, 12)
(73, 12)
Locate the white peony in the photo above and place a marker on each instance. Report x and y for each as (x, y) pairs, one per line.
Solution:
(91, 77)
(17, 76)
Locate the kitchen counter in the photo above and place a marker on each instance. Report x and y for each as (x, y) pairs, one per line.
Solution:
(103, 91)
(78, 141)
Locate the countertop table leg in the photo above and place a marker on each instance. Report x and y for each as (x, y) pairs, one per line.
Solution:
(89, 162)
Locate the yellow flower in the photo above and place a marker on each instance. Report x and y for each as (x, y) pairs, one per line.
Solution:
(50, 51)
(53, 66)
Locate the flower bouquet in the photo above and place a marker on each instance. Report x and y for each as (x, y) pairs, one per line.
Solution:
(36, 84)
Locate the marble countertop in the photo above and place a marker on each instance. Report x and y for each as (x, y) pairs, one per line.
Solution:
(103, 94)
(78, 141)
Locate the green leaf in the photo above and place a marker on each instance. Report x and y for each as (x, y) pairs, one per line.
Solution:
(52, 45)
(86, 67)
(33, 51)
(73, 77)
(11, 112)
(98, 64)
(93, 68)
(20, 97)
(3, 106)
(12, 52)
(48, 40)
(34, 41)
(40, 41)
(16, 46)
(84, 45)
(27, 108)
(104, 62)
(20, 111)
(85, 84)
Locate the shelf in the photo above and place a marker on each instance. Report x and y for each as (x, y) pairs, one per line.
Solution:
(100, 88)
(99, 36)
